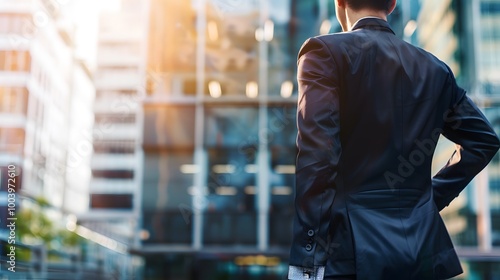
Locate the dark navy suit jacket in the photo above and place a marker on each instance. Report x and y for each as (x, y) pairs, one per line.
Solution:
(371, 109)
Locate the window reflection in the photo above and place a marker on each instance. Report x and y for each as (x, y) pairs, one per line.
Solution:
(166, 201)
(235, 41)
(13, 100)
(231, 198)
(15, 61)
(231, 181)
(493, 115)
(111, 201)
(282, 128)
(169, 147)
(231, 136)
(11, 140)
(231, 126)
(231, 48)
(169, 126)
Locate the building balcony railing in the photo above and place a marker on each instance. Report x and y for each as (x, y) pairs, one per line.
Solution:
(41, 263)
(112, 57)
(14, 78)
(114, 161)
(124, 105)
(114, 186)
(13, 120)
(116, 80)
(112, 131)
(123, 22)
(120, 37)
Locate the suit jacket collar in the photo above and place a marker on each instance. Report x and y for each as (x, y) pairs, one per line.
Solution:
(373, 23)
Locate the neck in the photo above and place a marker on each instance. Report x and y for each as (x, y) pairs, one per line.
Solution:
(353, 16)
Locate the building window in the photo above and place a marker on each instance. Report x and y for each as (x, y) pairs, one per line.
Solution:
(283, 132)
(490, 8)
(115, 118)
(167, 196)
(113, 174)
(111, 201)
(12, 23)
(11, 140)
(169, 127)
(231, 140)
(114, 147)
(230, 216)
(15, 61)
(115, 94)
(13, 100)
(231, 125)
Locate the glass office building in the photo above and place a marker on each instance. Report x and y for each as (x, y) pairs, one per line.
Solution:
(462, 33)
(219, 135)
(488, 87)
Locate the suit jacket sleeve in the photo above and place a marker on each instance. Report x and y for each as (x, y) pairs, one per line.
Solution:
(476, 144)
(318, 144)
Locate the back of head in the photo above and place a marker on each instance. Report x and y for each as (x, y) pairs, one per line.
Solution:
(379, 5)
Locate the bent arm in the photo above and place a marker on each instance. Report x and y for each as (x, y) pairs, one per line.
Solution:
(476, 141)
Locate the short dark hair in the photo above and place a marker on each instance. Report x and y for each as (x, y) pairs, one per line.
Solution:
(380, 5)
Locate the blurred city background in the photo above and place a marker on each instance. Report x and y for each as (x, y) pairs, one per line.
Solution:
(155, 139)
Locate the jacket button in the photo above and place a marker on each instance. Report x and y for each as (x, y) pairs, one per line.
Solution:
(310, 233)
(309, 247)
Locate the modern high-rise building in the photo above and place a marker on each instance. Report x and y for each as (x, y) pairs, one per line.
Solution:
(117, 154)
(462, 33)
(46, 119)
(219, 136)
(486, 15)
(41, 83)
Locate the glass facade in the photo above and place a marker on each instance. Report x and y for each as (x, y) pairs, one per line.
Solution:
(463, 35)
(489, 44)
(489, 85)
(219, 133)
